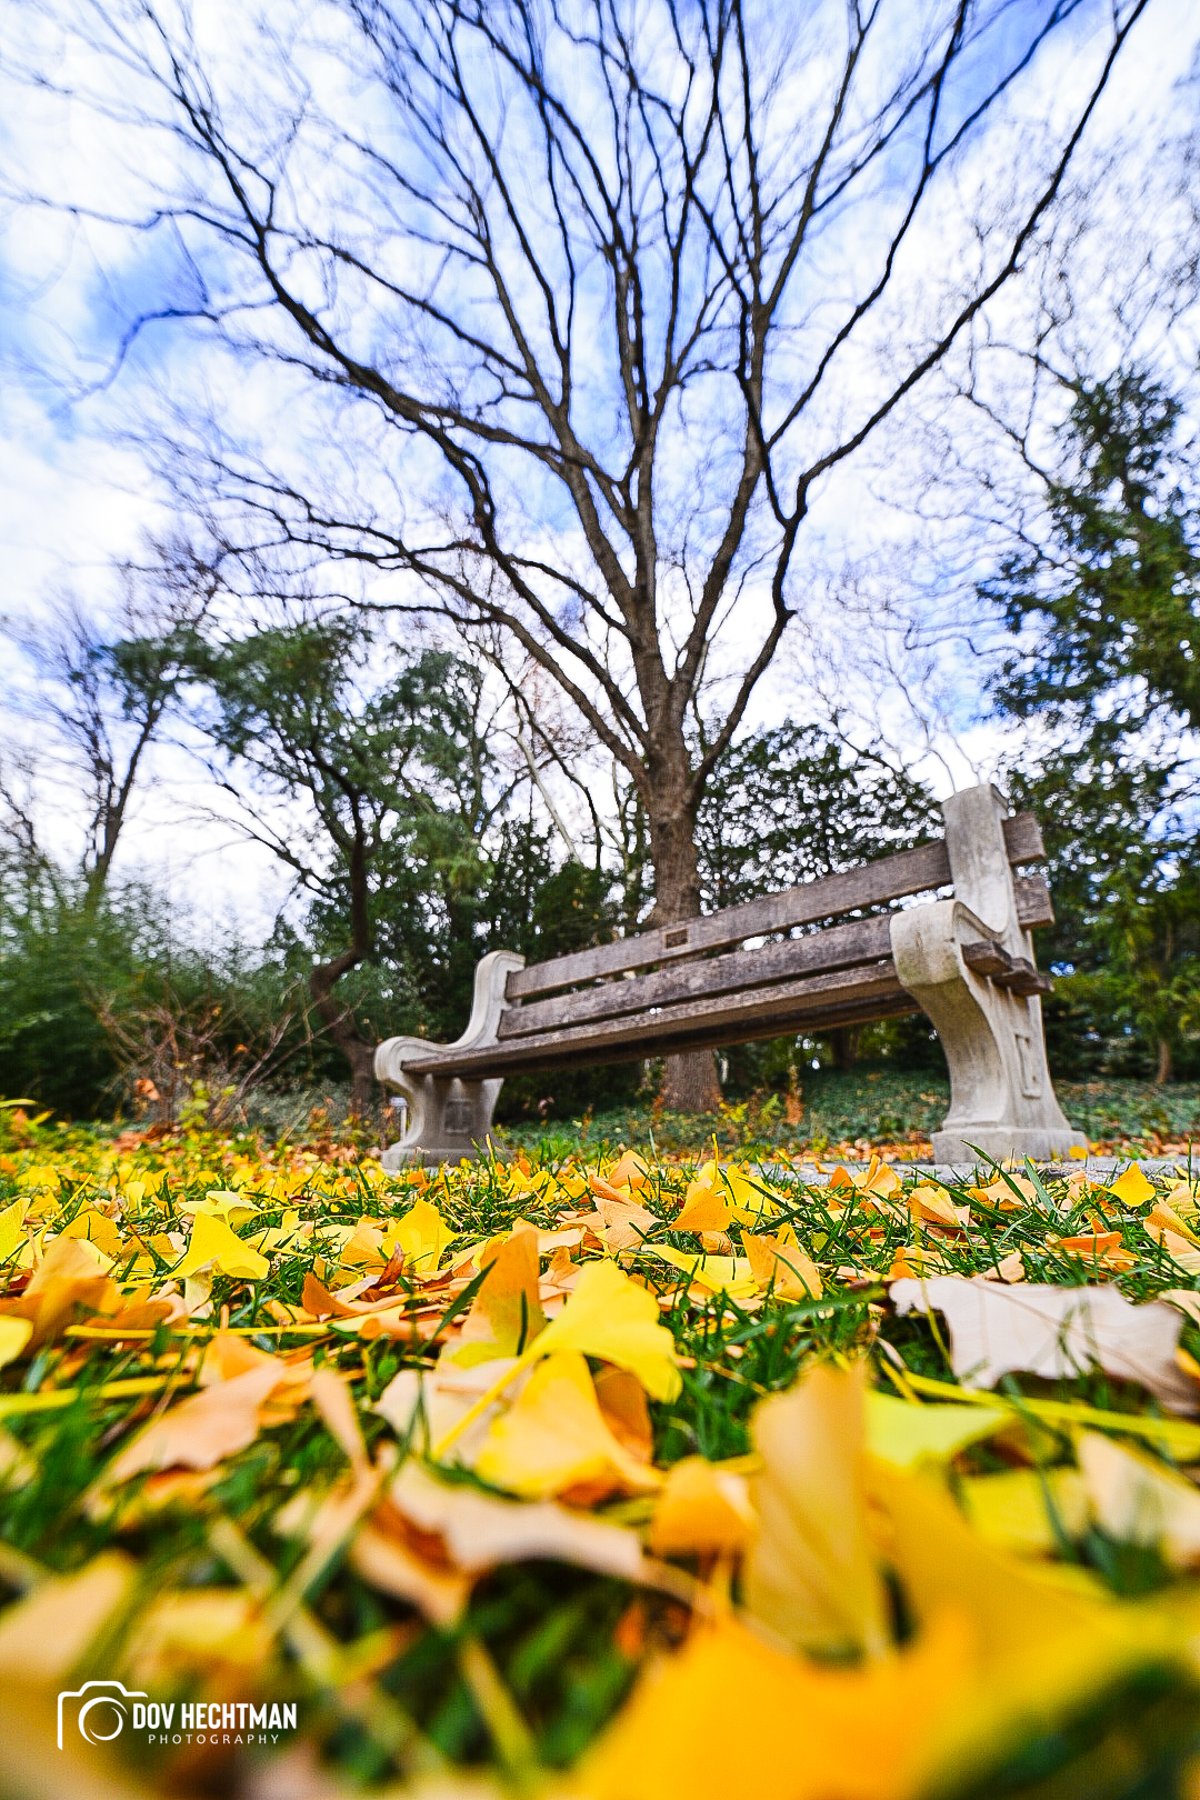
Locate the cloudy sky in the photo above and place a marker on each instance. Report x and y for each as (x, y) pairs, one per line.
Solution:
(76, 498)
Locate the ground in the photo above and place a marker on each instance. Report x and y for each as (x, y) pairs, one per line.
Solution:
(592, 1473)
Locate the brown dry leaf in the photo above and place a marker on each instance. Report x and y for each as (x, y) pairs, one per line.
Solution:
(1056, 1333)
(811, 1574)
(47, 1631)
(1136, 1500)
(201, 1430)
(703, 1510)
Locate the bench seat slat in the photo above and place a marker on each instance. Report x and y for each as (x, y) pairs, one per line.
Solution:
(783, 1006)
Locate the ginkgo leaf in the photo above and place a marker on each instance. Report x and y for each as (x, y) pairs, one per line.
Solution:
(730, 1715)
(1029, 1511)
(224, 1203)
(200, 1631)
(731, 1275)
(1132, 1188)
(782, 1268)
(1038, 1646)
(1136, 1500)
(426, 1406)
(904, 1433)
(702, 1510)
(12, 1221)
(610, 1316)
(934, 1204)
(46, 1633)
(507, 1311)
(201, 1430)
(96, 1226)
(811, 1574)
(553, 1440)
(1058, 1333)
(14, 1335)
(459, 1529)
(626, 1223)
(421, 1235)
(705, 1209)
(216, 1246)
(71, 1278)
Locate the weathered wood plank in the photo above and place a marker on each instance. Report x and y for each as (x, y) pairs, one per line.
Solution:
(839, 947)
(873, 884)
(529, 1057)
(1023, 839)
(987, 958)
(760, 1012)
(1034, 905)
(1022, 978)
(890, 878)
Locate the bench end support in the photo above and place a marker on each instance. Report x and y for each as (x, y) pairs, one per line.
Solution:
(449, 1118)
(1002, 1100)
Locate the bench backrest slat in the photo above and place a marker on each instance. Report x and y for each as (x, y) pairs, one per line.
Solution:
(873, 884)
(840, 947)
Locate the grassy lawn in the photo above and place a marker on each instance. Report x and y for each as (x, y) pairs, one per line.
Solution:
(586, 1475)
(853, 1111)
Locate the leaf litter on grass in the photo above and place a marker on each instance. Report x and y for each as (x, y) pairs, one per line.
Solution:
(585, 1478)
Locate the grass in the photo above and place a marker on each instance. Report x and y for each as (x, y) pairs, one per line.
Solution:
(848, 1112)
(543, 1657)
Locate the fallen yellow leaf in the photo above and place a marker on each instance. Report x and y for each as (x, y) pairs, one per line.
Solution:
(554, 1440)
(216, 1246)
(703, 1510)
(811, 1575)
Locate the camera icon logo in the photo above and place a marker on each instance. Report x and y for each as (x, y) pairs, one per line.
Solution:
(100, 1709)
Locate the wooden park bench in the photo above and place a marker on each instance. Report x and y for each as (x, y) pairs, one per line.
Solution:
(791, 962)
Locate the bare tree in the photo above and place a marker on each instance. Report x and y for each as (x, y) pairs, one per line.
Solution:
(104, 686)
(599, 291)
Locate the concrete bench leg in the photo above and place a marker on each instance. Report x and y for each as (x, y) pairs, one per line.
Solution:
(1002, 1100)
(448, 1118)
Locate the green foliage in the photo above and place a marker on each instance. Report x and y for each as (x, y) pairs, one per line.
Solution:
(1110, 609)
(97, 993)
(791, 804)
(1108, 615)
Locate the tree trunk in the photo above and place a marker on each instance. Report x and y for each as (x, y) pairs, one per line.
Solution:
(1166, 1063)
(843, 1042)
(690, 1083)
(338, 1020)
